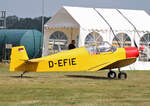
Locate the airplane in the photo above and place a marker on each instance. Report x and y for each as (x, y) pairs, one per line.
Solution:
(94, 57)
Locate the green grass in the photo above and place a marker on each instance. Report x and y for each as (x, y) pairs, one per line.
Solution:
(73, 89)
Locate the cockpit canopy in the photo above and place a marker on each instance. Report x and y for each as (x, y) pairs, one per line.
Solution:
(100, 47)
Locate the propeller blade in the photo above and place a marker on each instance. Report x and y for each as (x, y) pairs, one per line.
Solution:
(135, 44)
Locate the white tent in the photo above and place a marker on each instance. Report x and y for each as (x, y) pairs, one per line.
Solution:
(84, 24)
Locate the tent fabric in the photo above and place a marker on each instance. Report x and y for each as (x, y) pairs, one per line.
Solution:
(62, 19)
(88, 18)
(139, 18)
(85, 17)
(115, 19)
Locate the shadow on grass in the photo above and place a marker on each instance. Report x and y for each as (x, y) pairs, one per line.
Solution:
(88, 77)
(20, 77)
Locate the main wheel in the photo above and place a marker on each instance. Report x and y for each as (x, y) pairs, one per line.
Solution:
(112, 75)
(122, 75)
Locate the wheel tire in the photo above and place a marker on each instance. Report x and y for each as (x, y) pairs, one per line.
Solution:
(112, 75)
(122, 75)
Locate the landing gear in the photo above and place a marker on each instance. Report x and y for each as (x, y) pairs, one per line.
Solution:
(21, 76)
(111, 75)
(121, 75)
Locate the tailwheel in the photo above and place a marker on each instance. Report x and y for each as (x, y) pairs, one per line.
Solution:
(21, 76)
(112, 75)
(122, 75)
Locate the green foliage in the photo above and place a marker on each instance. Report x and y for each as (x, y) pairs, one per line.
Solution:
(13, 22)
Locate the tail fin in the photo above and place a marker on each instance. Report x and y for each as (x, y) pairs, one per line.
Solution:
(18, 58)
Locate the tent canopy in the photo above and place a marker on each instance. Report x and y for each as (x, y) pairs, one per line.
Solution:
(100, 19)
(139, 18)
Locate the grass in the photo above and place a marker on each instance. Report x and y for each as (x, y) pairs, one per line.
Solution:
(73, 89)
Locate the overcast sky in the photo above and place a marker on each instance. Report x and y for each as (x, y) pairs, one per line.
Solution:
(33, 8)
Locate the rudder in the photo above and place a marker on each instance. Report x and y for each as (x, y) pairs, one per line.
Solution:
(18, 58)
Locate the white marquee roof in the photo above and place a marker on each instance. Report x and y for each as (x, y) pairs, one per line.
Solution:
(87, 18)
(100, 19)
(115, 19)
(139, 18)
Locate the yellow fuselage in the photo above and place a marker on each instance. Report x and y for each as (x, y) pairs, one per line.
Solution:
(78, 59)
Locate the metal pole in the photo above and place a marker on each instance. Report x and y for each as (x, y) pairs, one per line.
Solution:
(42, 49)
(43, 17)
(5, 19)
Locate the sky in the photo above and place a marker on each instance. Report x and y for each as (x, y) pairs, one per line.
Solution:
(33, 8)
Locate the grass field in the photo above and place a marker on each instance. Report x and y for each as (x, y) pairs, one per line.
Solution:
(73, 89)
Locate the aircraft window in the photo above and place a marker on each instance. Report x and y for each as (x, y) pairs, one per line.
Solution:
(100, 48)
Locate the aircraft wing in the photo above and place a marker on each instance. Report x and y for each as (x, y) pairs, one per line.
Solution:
(113, 64)
(120, 63)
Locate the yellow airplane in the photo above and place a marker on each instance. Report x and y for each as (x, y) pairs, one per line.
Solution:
(93, 57)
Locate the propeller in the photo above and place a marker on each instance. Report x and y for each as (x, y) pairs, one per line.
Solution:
(135, 44)
(108, 25)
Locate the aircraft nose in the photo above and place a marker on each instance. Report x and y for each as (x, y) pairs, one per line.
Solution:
(131, 52)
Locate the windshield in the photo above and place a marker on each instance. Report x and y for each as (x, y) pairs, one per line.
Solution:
(100, 47)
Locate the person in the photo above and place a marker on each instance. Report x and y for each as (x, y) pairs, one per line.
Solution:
(72, 45)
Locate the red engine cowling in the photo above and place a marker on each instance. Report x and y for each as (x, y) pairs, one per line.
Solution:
(131, 52)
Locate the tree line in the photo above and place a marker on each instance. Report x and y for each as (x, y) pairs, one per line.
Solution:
(14, 22)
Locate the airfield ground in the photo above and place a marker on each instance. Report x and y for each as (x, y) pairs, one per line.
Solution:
(73, 89)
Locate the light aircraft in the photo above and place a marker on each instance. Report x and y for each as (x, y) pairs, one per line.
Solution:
(94, 57)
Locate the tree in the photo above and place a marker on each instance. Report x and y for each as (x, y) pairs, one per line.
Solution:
(13, 22)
